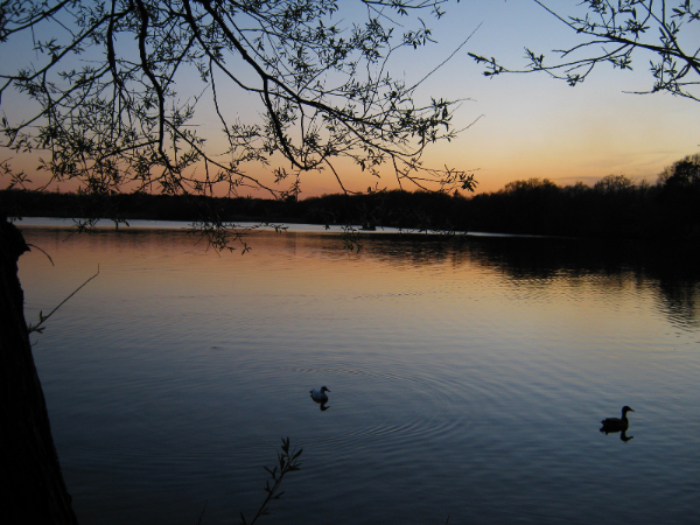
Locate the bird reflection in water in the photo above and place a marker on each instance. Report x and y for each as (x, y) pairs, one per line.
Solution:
(319, 396)
(614, 425)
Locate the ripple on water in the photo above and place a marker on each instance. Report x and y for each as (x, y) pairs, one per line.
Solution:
(470, 386)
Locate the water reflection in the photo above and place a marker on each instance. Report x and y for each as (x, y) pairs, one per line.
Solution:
(674, 269)
(451, 359)
(679, 300)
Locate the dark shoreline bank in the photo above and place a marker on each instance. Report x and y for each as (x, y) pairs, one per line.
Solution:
(650, 213)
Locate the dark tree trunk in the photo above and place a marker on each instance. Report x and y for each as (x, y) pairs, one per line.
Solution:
(31, 483)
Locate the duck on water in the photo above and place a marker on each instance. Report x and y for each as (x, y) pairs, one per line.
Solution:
(319, 396)
(615, 424)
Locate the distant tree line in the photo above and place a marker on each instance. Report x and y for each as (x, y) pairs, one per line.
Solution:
(615, 207)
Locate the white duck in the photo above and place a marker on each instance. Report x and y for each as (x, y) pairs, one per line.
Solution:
(319, 395)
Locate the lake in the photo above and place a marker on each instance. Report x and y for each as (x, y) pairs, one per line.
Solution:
(468, 379)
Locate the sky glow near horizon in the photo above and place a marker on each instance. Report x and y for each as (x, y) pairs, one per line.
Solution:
(519, 126)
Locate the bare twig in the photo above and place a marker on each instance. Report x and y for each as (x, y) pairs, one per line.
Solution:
(287, 462)
(43, 318)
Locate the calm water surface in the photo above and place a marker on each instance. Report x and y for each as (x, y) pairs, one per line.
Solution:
(466, 381)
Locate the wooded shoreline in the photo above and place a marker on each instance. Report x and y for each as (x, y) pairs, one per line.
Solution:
(616, 210)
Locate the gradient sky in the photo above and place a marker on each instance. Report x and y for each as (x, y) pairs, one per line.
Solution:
(528, 125)
(535, 126)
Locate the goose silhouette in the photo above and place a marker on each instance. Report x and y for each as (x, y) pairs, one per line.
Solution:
(615, 424)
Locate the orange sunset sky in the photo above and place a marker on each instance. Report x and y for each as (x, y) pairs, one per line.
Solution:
(526, 125)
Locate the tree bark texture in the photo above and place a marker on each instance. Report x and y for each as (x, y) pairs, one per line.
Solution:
(32, 487)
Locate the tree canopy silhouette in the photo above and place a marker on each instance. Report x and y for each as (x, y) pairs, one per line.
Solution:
(612, 32)
(112, 94)
(120, 87)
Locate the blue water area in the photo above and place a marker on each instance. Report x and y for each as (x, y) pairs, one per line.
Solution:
(467, 379)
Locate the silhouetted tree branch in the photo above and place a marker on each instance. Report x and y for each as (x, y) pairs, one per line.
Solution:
(113, 99)
(613, 31)
(287, 461)
(113, 103)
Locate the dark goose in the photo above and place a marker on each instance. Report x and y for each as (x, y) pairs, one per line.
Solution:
(614, 424)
